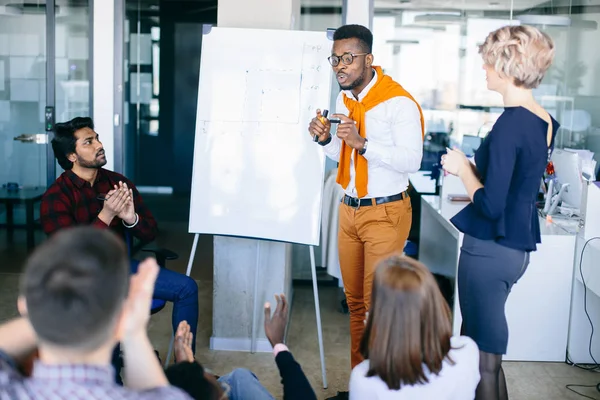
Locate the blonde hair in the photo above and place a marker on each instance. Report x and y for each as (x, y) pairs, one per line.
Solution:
(522, 53)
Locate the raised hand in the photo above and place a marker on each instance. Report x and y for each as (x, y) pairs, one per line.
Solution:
(183, 343)
(275, 324)
(139, 299)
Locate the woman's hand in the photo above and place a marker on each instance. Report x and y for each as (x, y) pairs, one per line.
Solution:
(455, 162)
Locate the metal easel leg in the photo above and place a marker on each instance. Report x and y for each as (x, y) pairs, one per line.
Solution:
(318, 314)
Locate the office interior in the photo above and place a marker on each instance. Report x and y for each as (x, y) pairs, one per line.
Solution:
(133, 65)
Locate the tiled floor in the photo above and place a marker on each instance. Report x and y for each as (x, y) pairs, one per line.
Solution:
(526, 380)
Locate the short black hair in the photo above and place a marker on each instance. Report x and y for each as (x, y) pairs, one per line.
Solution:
(364, 35)
(64, 140)
(75, 285)
(189, 377)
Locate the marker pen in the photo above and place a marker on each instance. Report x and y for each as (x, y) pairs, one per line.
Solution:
(323, 120)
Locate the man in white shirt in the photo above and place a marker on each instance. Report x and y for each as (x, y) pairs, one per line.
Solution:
(378, 143)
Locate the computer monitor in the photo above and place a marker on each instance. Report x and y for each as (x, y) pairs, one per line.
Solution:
(567, 168)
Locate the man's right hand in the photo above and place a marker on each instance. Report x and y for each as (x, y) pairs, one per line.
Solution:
(318, 128)
(142, 369)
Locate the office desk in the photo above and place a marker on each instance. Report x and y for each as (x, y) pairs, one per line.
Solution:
(422, 183)
(537, 310)
(27, 196)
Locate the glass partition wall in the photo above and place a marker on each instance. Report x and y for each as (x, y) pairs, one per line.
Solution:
(432, 50)
(44, 73)
(44, 78)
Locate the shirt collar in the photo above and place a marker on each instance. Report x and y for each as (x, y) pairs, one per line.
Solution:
(364, 92)
(80, 373)
(77, 181)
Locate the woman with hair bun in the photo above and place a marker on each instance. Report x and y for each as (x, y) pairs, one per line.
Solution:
(501, 225)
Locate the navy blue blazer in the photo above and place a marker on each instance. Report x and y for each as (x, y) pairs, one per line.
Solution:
(511, 162)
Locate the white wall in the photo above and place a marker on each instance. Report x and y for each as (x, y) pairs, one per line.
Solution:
(276, 15)
(103, 76)
(320, 22)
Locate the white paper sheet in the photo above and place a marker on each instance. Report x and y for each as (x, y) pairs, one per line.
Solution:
(145, 83)
(4, 111)
(2, 76)
(24, 90)
(4, 47)
(145, 49)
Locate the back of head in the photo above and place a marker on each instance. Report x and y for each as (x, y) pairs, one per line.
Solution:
(74, 286)
(64, 140)
(408, 326)
(364, 35)
(522, 53)
(189, 377)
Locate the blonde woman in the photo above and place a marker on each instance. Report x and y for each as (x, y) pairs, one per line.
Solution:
(501, 224)
(408, 346)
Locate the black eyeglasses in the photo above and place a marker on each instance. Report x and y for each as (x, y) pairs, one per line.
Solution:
(346, 58)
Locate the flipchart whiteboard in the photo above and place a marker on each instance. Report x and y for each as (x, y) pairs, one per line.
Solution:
(256, 171)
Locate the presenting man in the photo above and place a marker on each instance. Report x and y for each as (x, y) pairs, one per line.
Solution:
(378, 143)
(87, 194)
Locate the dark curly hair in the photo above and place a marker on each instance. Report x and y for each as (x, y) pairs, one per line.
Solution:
(64, 140)
(189, 376)
(364, 35)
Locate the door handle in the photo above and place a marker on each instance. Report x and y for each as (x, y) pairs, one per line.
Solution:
(37, 138)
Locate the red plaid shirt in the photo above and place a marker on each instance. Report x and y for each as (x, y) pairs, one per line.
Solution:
(72, 201)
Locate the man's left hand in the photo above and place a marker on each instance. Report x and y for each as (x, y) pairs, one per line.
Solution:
(348, 132)
(128, 213)
(275, 324)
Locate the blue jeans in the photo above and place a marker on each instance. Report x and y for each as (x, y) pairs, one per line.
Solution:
(244, 385)
(182, 291)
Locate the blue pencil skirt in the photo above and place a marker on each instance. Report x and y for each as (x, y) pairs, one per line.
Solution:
(486, 273)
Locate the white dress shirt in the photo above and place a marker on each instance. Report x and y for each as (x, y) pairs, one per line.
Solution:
(332, 193)
(395, 145)
(454, 382)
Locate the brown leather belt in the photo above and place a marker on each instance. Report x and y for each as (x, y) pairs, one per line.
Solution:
(358, 203)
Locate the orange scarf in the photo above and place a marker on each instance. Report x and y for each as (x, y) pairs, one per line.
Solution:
(384, 89)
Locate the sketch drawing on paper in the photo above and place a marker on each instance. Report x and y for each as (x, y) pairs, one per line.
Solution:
(267, 100)
(272, 96)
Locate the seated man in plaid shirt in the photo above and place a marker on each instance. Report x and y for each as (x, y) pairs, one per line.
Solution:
(87, 194)
(77, 302)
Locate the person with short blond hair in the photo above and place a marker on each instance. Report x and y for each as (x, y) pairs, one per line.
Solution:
(501, 225)
(521, 53)
(408, 346)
